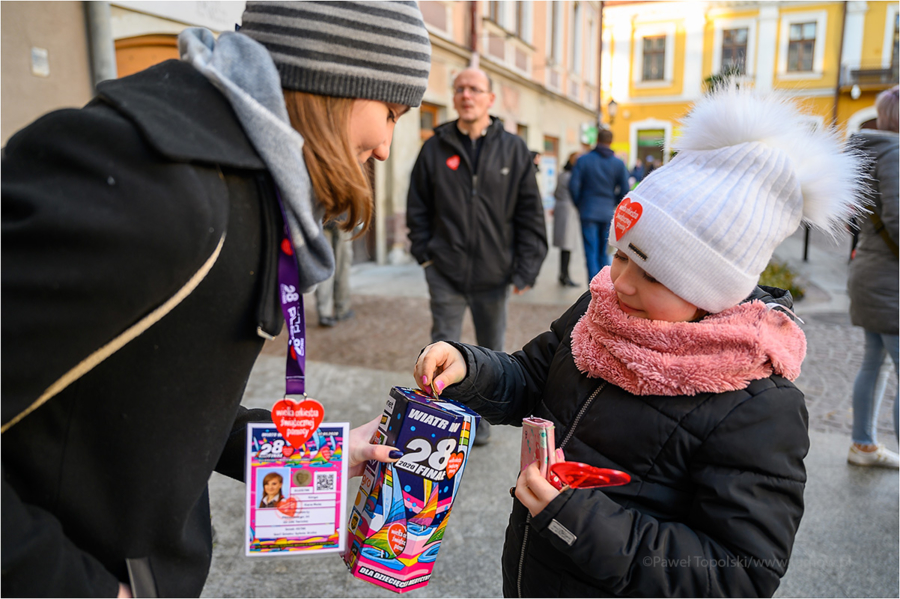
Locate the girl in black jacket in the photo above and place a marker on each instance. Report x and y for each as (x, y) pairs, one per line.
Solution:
(674, 368)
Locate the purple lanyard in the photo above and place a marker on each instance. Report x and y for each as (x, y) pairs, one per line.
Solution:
(292, 308)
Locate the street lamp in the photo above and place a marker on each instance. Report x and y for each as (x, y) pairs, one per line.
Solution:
(612, 109)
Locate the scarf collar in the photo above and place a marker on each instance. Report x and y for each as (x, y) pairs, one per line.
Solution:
(722, 352)
(242, 69)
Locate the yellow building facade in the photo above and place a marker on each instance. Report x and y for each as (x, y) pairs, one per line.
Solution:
(658, 57)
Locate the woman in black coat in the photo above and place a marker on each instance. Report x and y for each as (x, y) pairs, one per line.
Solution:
(141, 243)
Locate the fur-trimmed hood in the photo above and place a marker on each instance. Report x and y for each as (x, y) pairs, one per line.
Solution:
(722, 352)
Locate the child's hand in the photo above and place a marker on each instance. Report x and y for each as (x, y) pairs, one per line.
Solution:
(438, 366)
(362, 449)
(533, 490)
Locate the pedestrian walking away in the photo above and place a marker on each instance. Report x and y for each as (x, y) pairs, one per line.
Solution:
(675, 368)
(475, 217)
(872, 283)
(599, 182)
(140, 277)
(565, 222)
(333, 294)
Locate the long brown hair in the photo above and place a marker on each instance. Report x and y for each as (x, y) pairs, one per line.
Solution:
(338, 180)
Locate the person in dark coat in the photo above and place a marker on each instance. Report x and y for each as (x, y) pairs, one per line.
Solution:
(674, 368)
(141, 243)
(565, 221)
(637, 173)
(475, 218)
(599, 182)
(872, 284)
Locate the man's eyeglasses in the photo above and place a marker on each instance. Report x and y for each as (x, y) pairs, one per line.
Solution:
(473, 91)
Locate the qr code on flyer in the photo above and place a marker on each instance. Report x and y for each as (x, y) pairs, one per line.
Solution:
(325, 481)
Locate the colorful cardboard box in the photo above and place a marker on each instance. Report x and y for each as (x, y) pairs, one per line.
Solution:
(400, 513)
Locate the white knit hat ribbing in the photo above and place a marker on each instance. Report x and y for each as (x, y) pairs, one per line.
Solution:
(748, 170)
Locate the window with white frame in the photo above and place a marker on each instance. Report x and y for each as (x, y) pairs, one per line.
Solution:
(734, 50)
(654, 49)
(734, 45)
(519, 24)
(555, 31)
(577, 51)
(593, 40)
(890, 56)
(653, 63)
(495, 12)
(801, 47)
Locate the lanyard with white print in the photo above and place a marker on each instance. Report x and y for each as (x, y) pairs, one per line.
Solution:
(292, 308)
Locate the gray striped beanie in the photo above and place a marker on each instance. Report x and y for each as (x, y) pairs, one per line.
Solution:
(369, 50)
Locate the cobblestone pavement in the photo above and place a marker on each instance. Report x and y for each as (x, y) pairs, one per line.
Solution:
(833, 358)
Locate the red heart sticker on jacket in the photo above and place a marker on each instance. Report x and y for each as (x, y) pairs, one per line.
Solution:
(397, 537)
(627, 215)
(454, 463)
(286, 247)
(453, 162)
(297, 421)
(288, 507)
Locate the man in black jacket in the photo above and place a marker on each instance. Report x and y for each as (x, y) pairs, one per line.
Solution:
(475, 218)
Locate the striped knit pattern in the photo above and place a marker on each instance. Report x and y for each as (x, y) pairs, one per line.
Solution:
(369, 50)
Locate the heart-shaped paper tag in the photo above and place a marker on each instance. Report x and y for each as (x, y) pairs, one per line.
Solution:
(397, 537)
(453, 162)
(288, 507)
(297, 421)
(454, 463)
(627, 214)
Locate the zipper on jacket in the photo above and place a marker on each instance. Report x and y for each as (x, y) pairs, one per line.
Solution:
(472, 225)
(522, 555)
(584, 407)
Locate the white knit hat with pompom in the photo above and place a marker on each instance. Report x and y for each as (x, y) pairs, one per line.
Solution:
(749, 169)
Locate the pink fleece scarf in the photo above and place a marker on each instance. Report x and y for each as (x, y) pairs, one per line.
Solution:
(722, 352)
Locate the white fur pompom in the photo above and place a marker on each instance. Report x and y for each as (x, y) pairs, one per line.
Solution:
(830, 174)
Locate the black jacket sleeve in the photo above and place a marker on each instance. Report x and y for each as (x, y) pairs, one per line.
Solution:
(88, 248)
(530, 231)
(420, 208)
(40, 561)
(233, 461)
(505, 388)
(736, 542)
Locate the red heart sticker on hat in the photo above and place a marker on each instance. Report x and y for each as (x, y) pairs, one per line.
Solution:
(453, 162)
(397, 538)
(297, 421)
(627, 215)
(288, 507)
(454, 463)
